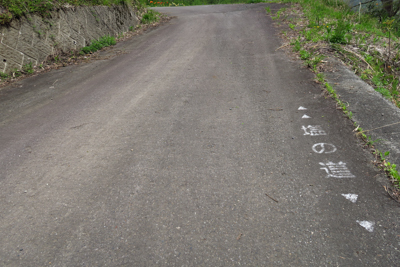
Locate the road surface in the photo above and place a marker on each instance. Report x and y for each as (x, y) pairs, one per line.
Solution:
(198, 145)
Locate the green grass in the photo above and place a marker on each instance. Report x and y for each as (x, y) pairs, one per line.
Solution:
(333, 22)
(99, 44)
(18, 8)
(28, 68)
(150, 17)
(4, 76)
(391, 169)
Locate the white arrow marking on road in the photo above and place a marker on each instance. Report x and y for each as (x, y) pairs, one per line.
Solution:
(351, 197)
(369, 226)
(302, 108)
(305, 117)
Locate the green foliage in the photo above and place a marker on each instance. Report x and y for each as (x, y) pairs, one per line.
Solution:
(6, 17)
(392, 171)
(296, 45)
(4, 76)
(278, 14)
(28, 68)
(304, 54)
(99, 44)
(15, 72)
(268, 9)
(334, 21)
(320, 77)
(340, 31)
(18, 8)
(372, 142)
(385, 92)
(150, 17)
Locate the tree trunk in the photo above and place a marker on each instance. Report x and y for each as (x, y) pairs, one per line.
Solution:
(388, 5)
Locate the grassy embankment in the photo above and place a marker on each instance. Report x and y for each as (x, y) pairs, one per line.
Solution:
(368, 42)
(18, 8)
(14, 9)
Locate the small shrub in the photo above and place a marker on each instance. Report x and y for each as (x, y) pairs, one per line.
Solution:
(6, 17)
(4, 76)
(149, 17)
(339, 34)
(28, 68)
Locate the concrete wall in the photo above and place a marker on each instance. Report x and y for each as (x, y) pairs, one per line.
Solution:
(33, 38)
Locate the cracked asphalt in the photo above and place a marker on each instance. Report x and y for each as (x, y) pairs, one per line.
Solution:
(189, 149)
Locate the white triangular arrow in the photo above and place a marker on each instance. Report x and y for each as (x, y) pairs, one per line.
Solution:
(302, 108)
(305, 117)
(351, 197)
(369, 226)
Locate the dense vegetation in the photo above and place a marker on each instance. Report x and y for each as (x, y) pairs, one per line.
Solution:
(17, 8)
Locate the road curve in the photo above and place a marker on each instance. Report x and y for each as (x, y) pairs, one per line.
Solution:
(188, 148)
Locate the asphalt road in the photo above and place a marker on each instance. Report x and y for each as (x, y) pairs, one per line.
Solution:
(188, 148)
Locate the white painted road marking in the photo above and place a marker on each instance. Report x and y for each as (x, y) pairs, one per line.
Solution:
(313, 130)
(305, 117)
(302, 108)
(336, 170)
(323, 148)
(351, 197)
(369, 226)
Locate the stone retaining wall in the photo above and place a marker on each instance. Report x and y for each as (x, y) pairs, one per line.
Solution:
(33, 38)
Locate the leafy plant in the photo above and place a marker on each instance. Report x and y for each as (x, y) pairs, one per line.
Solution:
(392, 171)
(339, 34)
(278, 14)
(28, 68)
(297, 45)
(19, 8)
(15, 72)
(384, 155)
(304, 54)
(371, 142)
(4, 76)
(150, 17)
(320, 77)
